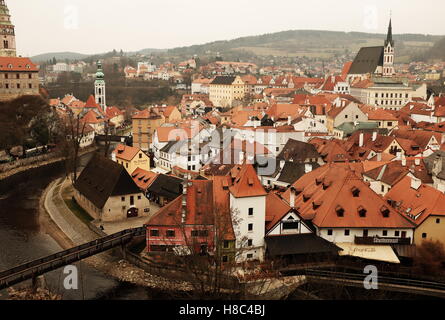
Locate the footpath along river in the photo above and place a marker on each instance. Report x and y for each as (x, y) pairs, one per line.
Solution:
(22, 239)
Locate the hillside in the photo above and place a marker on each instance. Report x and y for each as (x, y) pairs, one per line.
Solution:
(293, 43)
(309, 43)
(435, 52)
(60, 56)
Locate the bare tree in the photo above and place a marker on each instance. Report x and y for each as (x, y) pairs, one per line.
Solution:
(73, 131)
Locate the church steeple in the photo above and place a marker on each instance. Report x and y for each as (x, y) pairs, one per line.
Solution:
(99, 87)
(389, 35)
(7, 33)
(388, 54)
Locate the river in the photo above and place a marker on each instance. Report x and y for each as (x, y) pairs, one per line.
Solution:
(21, 239)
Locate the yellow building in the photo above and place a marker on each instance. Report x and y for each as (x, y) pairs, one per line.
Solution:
(131, 158)
(144, 125)
(224, 90)
(171, 114)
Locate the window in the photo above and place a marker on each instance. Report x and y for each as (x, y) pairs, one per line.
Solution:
(122, 199)
(225, 259)
(154, 233)
(18, 85)
(365, 233)
(139, 197)
(132, 201)
(423, 235)
(30, 86)
(140, 155)
(385, 233)
(30, 76)
(249, 242)
(396, 233)
(437, 220)
(250, 227)
(17, 76)
(330, 232)
(170, 233)
(347, 232)
(226, 244)
(346, 116)
(6, 76)
(250, 211)
(383, 188)
(199, 233)
(249, 256)
(124, 207)
(389, 123)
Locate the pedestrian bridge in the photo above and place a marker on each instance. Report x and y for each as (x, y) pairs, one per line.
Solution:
(35, 268)
(388, 283)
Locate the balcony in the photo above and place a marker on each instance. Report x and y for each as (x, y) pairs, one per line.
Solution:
(381, 240)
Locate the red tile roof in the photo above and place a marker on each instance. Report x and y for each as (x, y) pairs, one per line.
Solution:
(17, 64)
(247, 184)
(126, 152)
(143, 178)
(332, 189)
(417, 204)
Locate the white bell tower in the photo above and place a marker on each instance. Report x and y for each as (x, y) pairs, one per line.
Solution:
(99, 87)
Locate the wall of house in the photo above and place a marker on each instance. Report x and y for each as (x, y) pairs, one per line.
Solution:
(278, 229)
(141, 160)
(115, 208)
(240, 207)
(87, 205)
(433, 228)
(338, 234)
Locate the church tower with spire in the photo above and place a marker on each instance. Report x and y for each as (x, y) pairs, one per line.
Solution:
(7, 42)
(388, 55)
(99, 87)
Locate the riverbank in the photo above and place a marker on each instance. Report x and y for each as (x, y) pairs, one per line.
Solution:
(36, 162)
(67, 230)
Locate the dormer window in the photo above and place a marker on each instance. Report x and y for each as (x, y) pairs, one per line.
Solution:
(318, 181)
(340, 211)
(385, 211)
(361, 212)
(316, 204)
(355, 192)
(306, 197)
(326, 185)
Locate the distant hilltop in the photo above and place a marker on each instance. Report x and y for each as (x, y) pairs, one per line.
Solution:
(292, 43)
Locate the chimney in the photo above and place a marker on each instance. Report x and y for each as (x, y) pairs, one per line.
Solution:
(361, 138)
(292, 198)
(184, 200)
(289, 120)
(417, 161)
(374, 136)
(398, 156)
(241, 157)
(379, 157)
(307, 167)
(415, 183)
(404, 161)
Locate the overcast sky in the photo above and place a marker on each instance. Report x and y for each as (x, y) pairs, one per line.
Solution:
(95, 26)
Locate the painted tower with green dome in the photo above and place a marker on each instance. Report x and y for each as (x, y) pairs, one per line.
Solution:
(7, 33)
(99, 87)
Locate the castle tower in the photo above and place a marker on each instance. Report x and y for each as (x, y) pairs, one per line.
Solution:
(99, 87)
(388, 56)
(7, 33)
